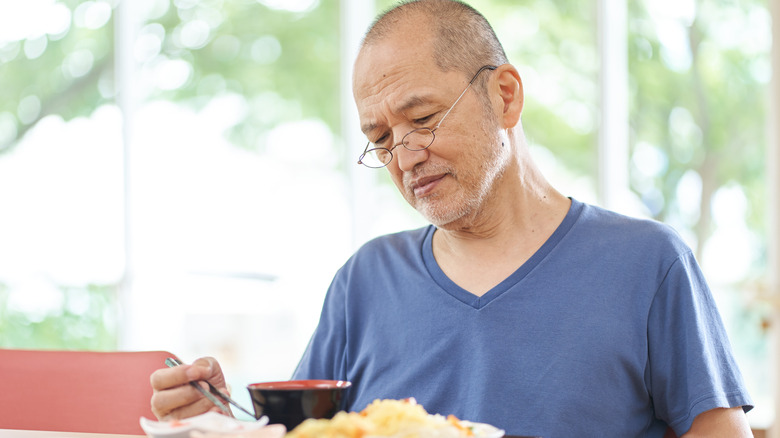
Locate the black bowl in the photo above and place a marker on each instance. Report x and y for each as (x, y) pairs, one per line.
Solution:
(292, 401)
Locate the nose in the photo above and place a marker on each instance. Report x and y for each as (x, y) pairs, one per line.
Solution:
(408, 159)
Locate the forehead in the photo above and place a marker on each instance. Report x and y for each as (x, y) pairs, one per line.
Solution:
(400, 54)
(396, 74)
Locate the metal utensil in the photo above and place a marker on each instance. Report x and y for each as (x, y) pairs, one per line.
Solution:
(174, 362)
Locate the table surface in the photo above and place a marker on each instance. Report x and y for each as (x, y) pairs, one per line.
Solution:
(9, 433)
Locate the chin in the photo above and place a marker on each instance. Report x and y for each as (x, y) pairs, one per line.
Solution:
(441, 216)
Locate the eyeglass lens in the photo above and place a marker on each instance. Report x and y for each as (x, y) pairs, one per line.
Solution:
(416, 140)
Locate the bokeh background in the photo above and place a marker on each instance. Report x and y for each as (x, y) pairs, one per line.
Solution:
(180, 174)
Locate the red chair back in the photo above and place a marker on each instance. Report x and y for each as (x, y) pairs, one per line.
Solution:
(77, 391)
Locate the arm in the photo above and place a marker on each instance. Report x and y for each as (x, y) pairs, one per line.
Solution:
(696, 382)
(174, 398)
(720, 422)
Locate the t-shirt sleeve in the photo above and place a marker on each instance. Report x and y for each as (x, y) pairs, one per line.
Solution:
(691, 367)
(325, 356)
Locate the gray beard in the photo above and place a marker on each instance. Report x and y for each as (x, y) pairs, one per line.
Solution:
(464, 203)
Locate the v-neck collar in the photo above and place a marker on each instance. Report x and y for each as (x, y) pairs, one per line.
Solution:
(479, 302)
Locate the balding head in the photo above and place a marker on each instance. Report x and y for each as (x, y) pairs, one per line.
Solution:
(463, 40)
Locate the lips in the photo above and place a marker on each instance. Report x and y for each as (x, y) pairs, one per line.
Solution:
(422, 187)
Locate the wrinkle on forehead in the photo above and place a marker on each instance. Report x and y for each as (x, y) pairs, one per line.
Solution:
(403, 106)
(394, 75)
(403, 87)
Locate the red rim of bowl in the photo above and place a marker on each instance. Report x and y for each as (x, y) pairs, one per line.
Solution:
(297, 385)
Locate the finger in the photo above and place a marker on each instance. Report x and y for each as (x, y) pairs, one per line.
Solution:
(170, 377)
(199, 407)
(205, 368)
(205, 361)
(169, 400)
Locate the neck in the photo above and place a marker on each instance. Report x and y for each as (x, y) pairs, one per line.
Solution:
(520, 204)
(521, 213)
(523, 223)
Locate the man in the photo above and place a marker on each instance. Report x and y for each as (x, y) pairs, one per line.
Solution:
(518, 307)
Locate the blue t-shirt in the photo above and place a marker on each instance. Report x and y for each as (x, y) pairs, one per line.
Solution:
(608, 330)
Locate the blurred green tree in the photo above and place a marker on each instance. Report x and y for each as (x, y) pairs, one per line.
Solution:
(698, 74)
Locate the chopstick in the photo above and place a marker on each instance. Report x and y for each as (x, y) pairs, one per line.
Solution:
(171, 362)
(174, 362)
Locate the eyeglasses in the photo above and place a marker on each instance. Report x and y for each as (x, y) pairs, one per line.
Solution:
(415, 140)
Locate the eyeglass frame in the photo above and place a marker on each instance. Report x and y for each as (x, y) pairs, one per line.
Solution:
(431, 130)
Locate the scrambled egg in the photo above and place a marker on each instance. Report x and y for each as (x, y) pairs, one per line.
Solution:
(384, 418)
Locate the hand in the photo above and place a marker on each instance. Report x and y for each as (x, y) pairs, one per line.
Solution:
(175, 398)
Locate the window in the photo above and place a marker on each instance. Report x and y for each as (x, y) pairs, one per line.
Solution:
(180, 174)
(61, 256)
(698, 115)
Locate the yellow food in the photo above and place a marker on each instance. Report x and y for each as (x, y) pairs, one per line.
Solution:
(384, 418)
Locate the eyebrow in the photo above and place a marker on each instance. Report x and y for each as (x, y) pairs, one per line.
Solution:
(409, 103)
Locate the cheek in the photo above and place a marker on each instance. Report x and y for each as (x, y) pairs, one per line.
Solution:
(396, 175)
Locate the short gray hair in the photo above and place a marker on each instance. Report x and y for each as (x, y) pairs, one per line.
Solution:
(463, 39)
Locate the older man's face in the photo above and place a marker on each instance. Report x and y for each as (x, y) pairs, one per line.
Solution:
(398, 88)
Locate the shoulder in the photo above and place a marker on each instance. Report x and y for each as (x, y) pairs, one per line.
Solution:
(387, 252)
(403, 242)
(611, 228)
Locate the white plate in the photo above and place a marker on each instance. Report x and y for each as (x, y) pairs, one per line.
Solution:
(483, 430)
(210, 422)
(480, 430)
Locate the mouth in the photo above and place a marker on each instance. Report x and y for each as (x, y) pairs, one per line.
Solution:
(422, 187)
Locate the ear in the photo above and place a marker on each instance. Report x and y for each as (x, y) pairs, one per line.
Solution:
(510, 88)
